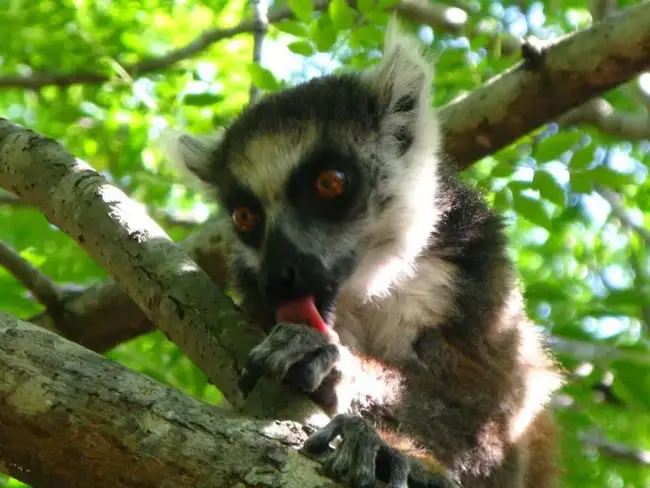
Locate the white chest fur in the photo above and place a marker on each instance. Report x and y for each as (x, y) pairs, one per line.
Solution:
(385, 326)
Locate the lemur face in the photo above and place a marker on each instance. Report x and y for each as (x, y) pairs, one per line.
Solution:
(328, 184)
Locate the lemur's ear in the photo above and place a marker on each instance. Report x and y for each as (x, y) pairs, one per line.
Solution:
(190, 153)
(402, 80)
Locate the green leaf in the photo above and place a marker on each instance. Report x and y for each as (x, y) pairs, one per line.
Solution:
(548, 187)
(545, 291)
(202, 99)
(342, 14)
(580, 183)
(554, 146)
(503, 169)
(502, 200)
(531, 209)
(582, 157)
(323, 33)
(366, 37)
(366, 6)
(635, 379)
(262, 77)
(608, 177)
(292, 27)
(303, 9)
(303, 48)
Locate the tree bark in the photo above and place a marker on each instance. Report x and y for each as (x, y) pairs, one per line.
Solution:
(172, 291)
(560, 76)
(71, 418)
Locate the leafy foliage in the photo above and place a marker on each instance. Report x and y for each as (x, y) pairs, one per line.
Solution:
(585, 270)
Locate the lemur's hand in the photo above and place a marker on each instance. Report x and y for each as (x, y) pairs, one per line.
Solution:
(363, 456)
(296, 354)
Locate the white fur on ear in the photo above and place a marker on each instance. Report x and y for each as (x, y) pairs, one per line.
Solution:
(403, 71)
(403, 81)
(190, 153)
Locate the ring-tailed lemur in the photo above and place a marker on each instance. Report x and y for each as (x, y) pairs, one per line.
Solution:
(343, 214)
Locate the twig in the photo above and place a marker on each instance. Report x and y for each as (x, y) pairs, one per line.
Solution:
(260, 9)
(615, 449)
(594, 352)
(620, 213)
(601, 114)
(640, 283)
(43, 289)
(618, 210)
(7, 198)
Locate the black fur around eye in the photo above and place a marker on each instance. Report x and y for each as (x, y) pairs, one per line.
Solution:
(325, 186)
(246, 214)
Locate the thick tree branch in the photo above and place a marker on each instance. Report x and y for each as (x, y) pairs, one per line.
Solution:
(43, 289)
(160, 278)
(568, 73)
(104, 315)
(70, 417)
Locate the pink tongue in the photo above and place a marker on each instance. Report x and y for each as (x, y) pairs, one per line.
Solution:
(301, 310)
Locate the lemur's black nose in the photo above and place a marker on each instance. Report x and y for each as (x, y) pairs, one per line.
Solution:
(286, 271)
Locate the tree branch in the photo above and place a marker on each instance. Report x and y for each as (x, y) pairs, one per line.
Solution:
(172, 291)
(437, 16)
(104, 316)
(601, 114)
(7, 198)
(43, 289)
(205, 40)
(60, 402)
(616, 450)
(620, 213)
(594, 352)
(260, 8)
(566, 74)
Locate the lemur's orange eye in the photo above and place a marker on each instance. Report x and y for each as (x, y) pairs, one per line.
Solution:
(330, 184)
(244, 219)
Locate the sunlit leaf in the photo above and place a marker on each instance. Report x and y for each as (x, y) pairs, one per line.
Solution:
(303, 48)
(554, 146)
(531, 209)
(323, 33)
(293, 27)
(262, 77)
(341, 13)
(303, 9)
(548, 187)
(582, 158)
(202, 99)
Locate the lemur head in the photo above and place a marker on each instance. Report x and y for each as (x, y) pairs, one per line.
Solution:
(329, 185)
